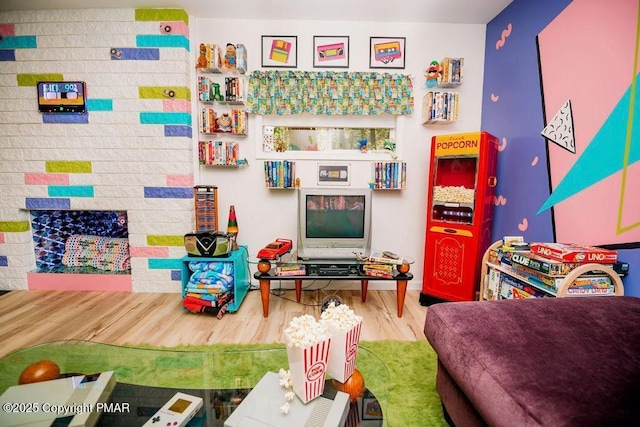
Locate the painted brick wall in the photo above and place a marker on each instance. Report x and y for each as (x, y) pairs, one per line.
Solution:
(132, 150)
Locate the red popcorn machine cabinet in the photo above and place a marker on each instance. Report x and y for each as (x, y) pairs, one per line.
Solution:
(459, 215)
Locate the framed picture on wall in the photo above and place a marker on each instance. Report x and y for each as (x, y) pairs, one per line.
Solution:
(280, 51)
(334, 173)
(387, 52)
(330, 51)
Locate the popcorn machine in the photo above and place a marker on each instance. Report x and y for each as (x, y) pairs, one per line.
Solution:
(459, 215)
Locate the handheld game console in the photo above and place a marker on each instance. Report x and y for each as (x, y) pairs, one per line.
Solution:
(177, 412)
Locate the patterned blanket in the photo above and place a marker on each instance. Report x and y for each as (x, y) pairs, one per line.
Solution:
(103, 253)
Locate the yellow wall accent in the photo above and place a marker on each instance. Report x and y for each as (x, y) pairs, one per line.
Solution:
(68, 167)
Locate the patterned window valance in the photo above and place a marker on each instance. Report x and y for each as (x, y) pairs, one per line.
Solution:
(328, 92)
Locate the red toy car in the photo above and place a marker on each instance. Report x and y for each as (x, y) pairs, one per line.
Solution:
(275, 249)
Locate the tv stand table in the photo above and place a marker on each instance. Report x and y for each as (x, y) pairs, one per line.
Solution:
(266, 273)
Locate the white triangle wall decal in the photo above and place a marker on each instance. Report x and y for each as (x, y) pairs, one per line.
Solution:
(560, 129)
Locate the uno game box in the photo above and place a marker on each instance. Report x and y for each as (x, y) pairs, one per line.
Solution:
(574, 252)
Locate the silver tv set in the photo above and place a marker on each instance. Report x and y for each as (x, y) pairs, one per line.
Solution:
(334, 223)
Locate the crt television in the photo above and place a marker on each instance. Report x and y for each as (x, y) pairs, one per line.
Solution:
(334, 223)
(61, 97)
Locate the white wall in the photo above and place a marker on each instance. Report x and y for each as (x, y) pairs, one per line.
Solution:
(398, 216)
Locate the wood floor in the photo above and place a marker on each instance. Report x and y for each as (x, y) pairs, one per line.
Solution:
(33, 317)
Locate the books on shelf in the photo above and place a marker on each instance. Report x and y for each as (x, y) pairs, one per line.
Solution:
(205, 89)
(280, 173)
(234, 91)
(440, 107)
(234, 122)
(451, 74)
(213, 153)
(390, 175)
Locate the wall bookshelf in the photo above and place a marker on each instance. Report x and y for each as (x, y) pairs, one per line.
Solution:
(389, 175)
(232, 92)
(222, 89)
(232, 122)
(280, 174)
(440, 107)
(451, 74)
(220, 153)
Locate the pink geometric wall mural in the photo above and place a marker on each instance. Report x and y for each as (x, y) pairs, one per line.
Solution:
(591, 81)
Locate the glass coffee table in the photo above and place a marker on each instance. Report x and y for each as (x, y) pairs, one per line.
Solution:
(147, 378)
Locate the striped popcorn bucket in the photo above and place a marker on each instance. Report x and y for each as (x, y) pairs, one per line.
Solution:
(343, 353)
(308, 366)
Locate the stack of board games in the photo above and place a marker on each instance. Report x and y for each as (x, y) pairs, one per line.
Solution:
(573, 252)
(378, 269)
(525, 273)
(291, 270)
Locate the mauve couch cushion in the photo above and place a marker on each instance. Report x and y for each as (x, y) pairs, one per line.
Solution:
(543, 361)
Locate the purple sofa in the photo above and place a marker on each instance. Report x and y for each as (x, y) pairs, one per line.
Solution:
(538, 362)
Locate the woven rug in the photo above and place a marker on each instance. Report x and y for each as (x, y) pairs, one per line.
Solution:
(411, 400)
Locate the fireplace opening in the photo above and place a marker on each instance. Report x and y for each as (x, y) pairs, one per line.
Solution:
(75, 241)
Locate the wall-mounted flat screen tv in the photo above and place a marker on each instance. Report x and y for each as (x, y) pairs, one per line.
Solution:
(61, 97)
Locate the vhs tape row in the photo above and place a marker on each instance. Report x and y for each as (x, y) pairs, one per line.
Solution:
(280, 173)
(440, 107)
(236, 121)
(234, 91)
(390, 175)
(451, 72)
(214, 153)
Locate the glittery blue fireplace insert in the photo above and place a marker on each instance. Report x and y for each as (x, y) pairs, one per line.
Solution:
(52, 228)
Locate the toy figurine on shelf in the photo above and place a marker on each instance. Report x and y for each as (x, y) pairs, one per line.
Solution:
(363, 145)
(230, 57)
(215, 95)
(280, 146)
(433, 74)
(224, 122)
(202, 58)
(390, 146)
